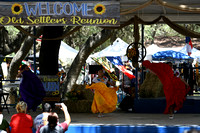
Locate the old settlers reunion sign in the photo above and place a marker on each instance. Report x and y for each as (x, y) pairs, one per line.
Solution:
(77, 13)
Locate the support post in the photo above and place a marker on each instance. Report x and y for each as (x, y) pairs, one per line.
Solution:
(34, 49)
(136, 83)
(142, 74)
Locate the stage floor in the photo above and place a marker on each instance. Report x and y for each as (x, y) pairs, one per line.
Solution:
(122, 118)
(125, 122)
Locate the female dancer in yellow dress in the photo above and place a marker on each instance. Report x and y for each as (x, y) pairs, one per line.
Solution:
(105, 98)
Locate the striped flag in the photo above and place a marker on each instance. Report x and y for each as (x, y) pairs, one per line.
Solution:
(118, 63)
(189, 45)
(105, 64)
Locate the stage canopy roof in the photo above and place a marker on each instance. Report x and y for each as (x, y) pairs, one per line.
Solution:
(181, 11)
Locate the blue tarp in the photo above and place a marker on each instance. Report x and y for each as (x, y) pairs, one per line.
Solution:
(43, 0)
(129, 129)
(170, 55)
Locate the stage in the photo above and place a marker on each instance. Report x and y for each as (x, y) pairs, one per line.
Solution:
(157, 105)
(124, 122)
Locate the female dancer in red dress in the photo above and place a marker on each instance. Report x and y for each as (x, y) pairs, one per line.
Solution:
(175, 88)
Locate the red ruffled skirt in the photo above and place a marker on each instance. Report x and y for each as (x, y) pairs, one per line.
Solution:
(174, 88)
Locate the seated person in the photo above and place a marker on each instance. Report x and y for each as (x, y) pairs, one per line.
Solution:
(41, 119)
(52, 125)
(21, 122)
(4, 125)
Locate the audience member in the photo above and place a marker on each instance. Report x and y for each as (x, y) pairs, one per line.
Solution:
(41, 119)
(4, 125)
(21, 122)
(53, 126)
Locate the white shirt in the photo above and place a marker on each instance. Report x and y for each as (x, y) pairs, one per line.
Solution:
(103, 80)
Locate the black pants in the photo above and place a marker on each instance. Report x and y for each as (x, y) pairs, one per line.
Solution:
(127, 103)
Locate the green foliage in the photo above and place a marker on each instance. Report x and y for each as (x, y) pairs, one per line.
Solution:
(160, 29)
(78, 38)
(74, 95)
(126, 34)
(78, 92)
(12, 32)
(103, 46)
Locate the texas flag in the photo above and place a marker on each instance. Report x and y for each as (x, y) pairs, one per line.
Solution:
(189, 45)
(118, 63)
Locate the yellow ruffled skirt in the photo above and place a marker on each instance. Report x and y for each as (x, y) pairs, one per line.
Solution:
(105, 98)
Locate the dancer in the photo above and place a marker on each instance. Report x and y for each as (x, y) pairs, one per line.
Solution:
(105, 98)
(31, 88)
(175, 88)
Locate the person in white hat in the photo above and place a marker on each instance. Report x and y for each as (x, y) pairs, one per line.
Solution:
(4, 125)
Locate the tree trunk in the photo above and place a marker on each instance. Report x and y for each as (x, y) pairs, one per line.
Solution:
(154, 33)
(4, 39)
(6, 46)
(20, 55)
(92, 42)
(113, 37)
(49, 51)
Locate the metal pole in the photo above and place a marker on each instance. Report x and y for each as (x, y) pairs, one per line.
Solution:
(136, 83)
(34, 49)
(142, 74)
(84, 80)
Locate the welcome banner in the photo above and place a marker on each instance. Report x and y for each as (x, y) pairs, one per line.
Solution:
(60, 13)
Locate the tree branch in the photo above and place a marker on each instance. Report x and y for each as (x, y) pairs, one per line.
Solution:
(21, 54)
(87, 48)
